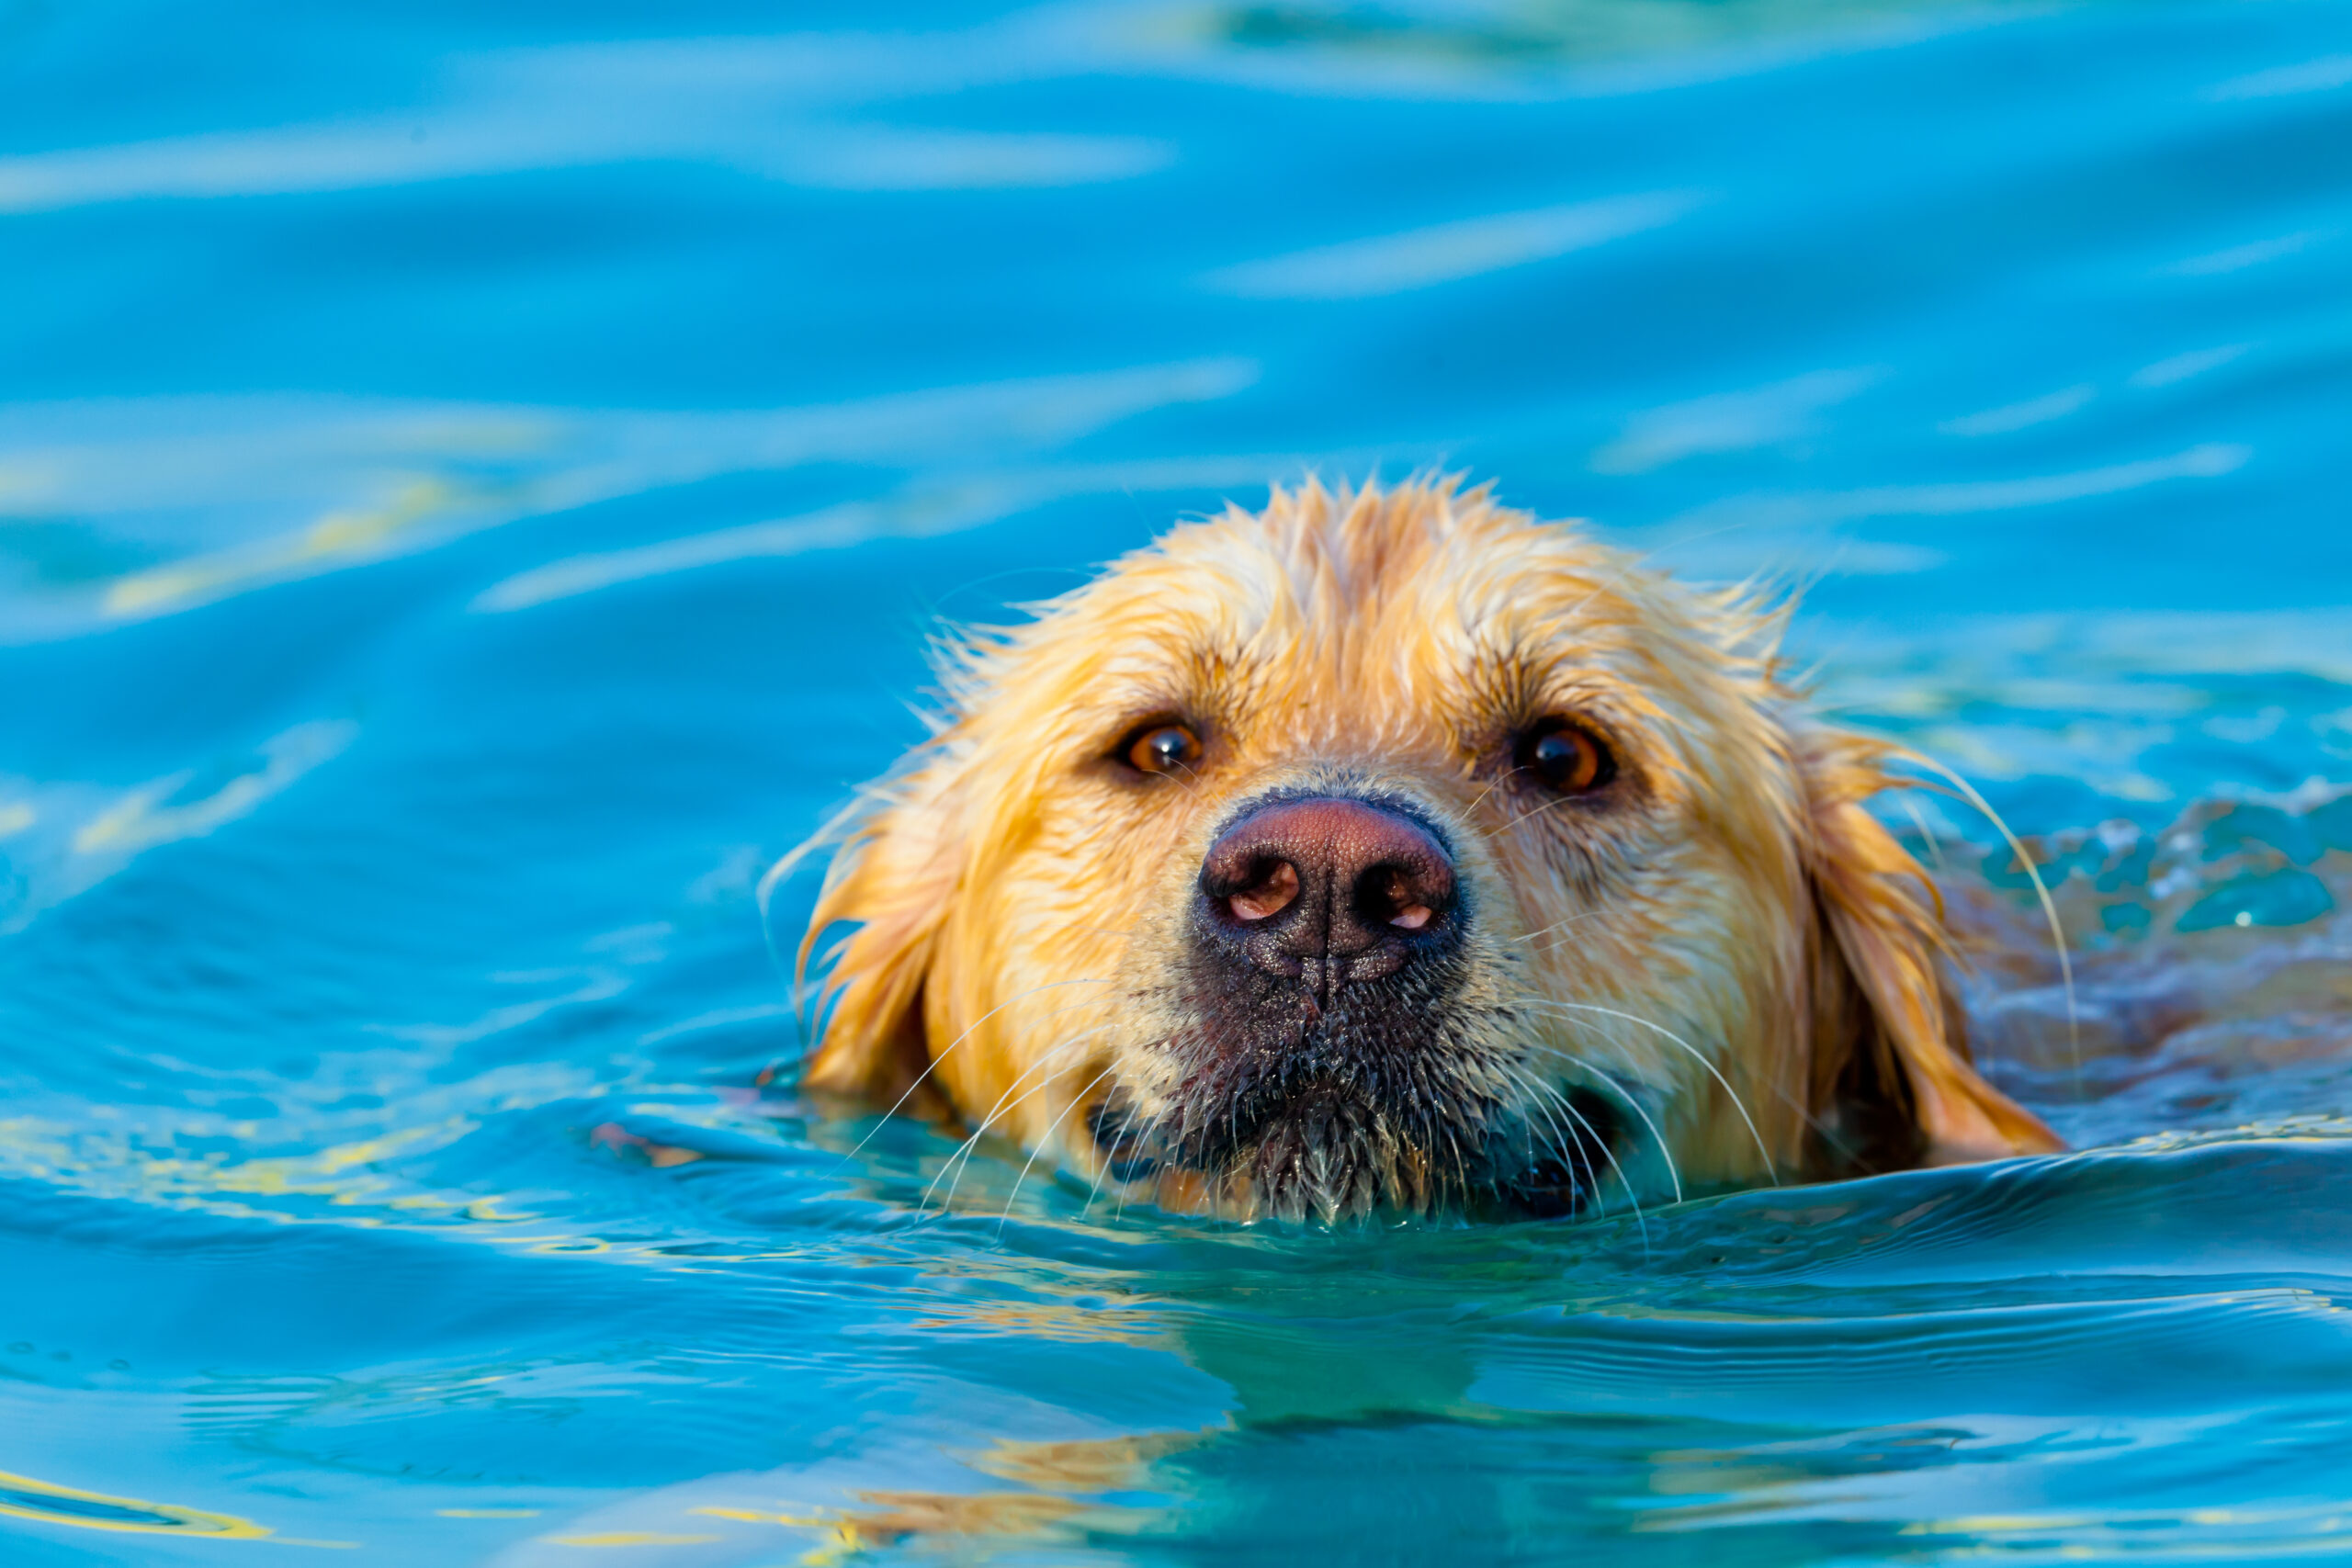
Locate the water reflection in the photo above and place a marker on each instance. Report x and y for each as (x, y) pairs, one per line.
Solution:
(24, 1497)
(196, 476)
(472, 489)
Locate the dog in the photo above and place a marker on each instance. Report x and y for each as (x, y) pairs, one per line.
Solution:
(1389, 852)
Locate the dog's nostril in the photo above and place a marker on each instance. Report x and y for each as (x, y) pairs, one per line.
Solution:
(1390, 895)
(1267, 896)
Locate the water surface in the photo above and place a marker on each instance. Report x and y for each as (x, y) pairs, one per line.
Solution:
(473, 484)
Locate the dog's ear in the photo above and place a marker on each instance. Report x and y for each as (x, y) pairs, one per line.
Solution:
(895, 877)
(1892, 1085)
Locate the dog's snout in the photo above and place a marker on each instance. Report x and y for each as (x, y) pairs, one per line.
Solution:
(1327, 888)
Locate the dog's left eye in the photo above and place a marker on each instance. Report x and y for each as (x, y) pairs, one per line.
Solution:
(1565, 756)
(1160, 747)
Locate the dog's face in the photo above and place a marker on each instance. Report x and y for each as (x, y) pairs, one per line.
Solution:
(1392, 851)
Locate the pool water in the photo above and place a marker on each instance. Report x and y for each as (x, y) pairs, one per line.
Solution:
(474, 482)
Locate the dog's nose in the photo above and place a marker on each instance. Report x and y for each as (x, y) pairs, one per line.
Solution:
(1327, 889)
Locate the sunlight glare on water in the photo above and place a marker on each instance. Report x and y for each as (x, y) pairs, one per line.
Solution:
(474, 482)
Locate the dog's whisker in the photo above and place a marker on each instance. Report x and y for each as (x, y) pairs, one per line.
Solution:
(1591, 1170)
(1541, 1091)
(1461, 1164)
(1191, 788)
(1527, 1139)
(1586, 1130)
(933, 1065)
(1101, 1168)
(2040, 891)
(1593, 1177)
(1557, 925)
(1533, 811)
(1571, 1144)
(1624, 1179)
(1499, 780)
(1935, 846)
(1528, 1088)
(1771, 1167)
(960, 1161)
(1004, 1104)
(1043, 1139)
(965, 1150)
(1632, 1103)
(1779, 1091)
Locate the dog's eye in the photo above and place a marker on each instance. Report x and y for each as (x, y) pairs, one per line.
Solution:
(1160, 747)
(1565, 756)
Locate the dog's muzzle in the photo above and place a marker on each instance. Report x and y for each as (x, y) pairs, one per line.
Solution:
(1319, 1070)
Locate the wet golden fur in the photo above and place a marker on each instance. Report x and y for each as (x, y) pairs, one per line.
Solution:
(1729, 955)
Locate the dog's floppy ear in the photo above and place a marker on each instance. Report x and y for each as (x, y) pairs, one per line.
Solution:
(1892, 1085)
(896, 877)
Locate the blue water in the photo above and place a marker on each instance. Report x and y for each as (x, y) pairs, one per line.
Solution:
(473, 484)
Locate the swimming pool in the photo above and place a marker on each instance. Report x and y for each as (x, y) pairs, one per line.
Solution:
(473, 484)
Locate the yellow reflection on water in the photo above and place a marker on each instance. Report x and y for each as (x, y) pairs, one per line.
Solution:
(2324, 1518)
(341, 1174)
(1067, 1481)
(337, 537)
(23, 1497)
(344, 1175)
(891, 1518)
(1085, 1464)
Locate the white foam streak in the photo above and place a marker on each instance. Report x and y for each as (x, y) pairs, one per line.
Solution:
(67, 837)
(335, 483)
(2210, 460)
(2238, 257)
(835, 527)
(796, 110)
(2181, 367)
(923, 513)
(2021, 416)
(1731, 422)
(399, 151)
(2312, 76)
(1444, 252)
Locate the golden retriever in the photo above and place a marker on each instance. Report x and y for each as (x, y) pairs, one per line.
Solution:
(1391, 852)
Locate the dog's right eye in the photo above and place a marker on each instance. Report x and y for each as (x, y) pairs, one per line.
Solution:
(1160, 747)
(1565, 756)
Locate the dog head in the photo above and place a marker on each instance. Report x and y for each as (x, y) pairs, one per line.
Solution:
(1390, 849)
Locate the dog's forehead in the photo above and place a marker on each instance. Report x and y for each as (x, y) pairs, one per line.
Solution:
(1413, 624)
(1420, 584)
